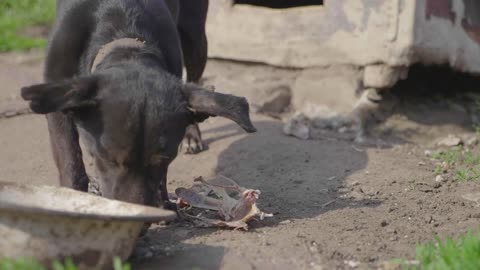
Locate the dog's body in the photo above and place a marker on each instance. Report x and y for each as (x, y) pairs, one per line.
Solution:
(133, 110)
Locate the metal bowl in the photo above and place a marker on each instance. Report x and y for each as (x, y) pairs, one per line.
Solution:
(48, 223)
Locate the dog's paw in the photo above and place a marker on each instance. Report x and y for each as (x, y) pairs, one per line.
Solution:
(192, 142)
(94, 188)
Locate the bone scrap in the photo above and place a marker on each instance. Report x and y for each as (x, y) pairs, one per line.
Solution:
(234, 206)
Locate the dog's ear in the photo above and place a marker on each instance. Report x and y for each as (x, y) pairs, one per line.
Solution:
(61, 96)
(204, 103)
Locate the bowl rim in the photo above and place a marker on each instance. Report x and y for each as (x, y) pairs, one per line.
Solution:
(151, 214)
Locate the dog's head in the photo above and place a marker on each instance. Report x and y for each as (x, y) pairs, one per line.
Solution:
(133, 121)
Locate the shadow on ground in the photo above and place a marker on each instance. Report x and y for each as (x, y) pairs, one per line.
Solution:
(298, 180)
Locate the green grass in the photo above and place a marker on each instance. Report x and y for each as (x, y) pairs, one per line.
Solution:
(20, 264)
(30, 264)
(16, 15)
(464, 163)
(449, 254)
(477, 128)
(450, 156)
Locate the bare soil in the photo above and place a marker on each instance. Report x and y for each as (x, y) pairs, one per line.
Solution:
(337, 205)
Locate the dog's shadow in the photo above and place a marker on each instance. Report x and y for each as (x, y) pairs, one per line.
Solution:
(297, 179)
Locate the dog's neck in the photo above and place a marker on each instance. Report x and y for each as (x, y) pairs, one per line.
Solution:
(118, 43)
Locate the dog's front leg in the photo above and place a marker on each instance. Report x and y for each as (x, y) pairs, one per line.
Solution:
(66, 151)
(191, 28)
(159, 175)
(66, 45)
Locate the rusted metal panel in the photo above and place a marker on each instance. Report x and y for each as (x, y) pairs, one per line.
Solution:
(441, 9)
(447, 32)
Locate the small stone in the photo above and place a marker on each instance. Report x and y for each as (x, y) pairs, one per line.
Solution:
(352, 264)
(94, 188)
(421, 163)
(450, 141)
(445, 167)
(343, 130)
(298, 126)
(148, 254)
(429, 220)
(440, 179)
(471, 141)
(427, 153)
(288, 221)
(384, 223)
(10, 113)
(354, 183)
(423, 187)
(392, 231)
(156, 248)
(437, 185)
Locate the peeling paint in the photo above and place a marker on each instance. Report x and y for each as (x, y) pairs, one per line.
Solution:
(441, 9)
(339, 21)
(370, 6)
(337, 18)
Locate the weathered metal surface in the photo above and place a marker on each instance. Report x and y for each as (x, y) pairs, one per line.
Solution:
(49, 223)
(447, 32)
(348, 32)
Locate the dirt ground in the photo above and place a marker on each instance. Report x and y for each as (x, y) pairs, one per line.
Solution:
(337, 205)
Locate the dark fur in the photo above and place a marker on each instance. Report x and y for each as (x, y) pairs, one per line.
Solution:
(132, 112)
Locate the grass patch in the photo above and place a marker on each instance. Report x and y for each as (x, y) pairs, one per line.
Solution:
(450, 156)
(464, 163)
(30, 264)
(16, 15)
(448, 254)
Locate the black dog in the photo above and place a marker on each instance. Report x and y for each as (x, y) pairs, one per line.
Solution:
(113, 73)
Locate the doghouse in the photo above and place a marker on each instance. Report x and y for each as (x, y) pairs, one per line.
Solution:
(378, 39)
